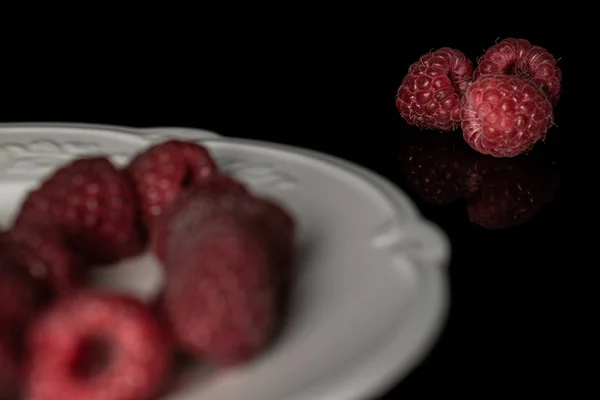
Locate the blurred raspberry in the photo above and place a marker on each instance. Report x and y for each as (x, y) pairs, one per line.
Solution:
(94, 345)
(429, 96)
(93, 204)
(19, 293)
(162, 171)
(520, 58)
(9, 367)
(43, 251)
(221, 296)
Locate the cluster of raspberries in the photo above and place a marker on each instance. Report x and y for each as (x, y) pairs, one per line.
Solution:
(226, 253)
(504, 106)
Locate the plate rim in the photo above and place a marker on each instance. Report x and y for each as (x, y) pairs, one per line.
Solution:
(142, 130)
(343, 387)
(377, 384)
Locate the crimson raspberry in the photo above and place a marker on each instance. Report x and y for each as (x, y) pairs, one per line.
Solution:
(43, 251)
(520, 58)
(504, 116)
(163, 170)
(94, 204)
(429, 96)
(220, 296)
(93, 346)
(222, 197)
(19, 295)
(9, 368)
(504, 193)
(433, 165)
(216, 191)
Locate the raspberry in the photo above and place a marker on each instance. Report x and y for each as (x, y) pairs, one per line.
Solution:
(19, 296)
(504, 193)
(93, 203)
(206, 192)
(92, 345)
(433, 165)
(42, 250)
(429, 96)
(220, 295)
(163, 170)
(9, 368)
(222, 197)
(519, 58)
(280, 229)
(504, 116)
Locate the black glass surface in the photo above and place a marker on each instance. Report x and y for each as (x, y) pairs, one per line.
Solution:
(334, 91)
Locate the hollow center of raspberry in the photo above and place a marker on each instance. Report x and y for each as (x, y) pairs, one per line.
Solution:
(188, 179)
(93, 358)
(522, 73)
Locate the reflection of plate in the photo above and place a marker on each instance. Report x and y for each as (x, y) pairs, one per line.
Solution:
(371, 294)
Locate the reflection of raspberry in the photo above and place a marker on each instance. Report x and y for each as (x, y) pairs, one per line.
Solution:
(504, 116)
(518, 57)
(500, 192)
(429, 96)
(504, 193)
(434, 165)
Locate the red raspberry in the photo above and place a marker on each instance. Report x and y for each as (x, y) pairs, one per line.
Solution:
(429, 96)
(42, 250)
(9, 368)
(221, 199)
(504, 193)
(433, 165)
(207, 191)
(504, 116)
(93, 346)
(93, 203)
(519, 58)
(220, 295)
(163, 170)
(156, 306)
(19, 296)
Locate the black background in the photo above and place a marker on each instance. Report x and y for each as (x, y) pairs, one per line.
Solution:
(330, 85)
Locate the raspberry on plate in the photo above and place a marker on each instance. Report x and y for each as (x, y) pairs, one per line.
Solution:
(220, 296)
(206, 194)
(520, 58)
(19, 295)
(504, 116)
(222, 197)
(42, 250)
(9, 368)
(429, 96)
(163, 170)
(94, 204)
(96, 346)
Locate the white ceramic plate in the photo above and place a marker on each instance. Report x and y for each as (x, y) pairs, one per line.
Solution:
(372, 292)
